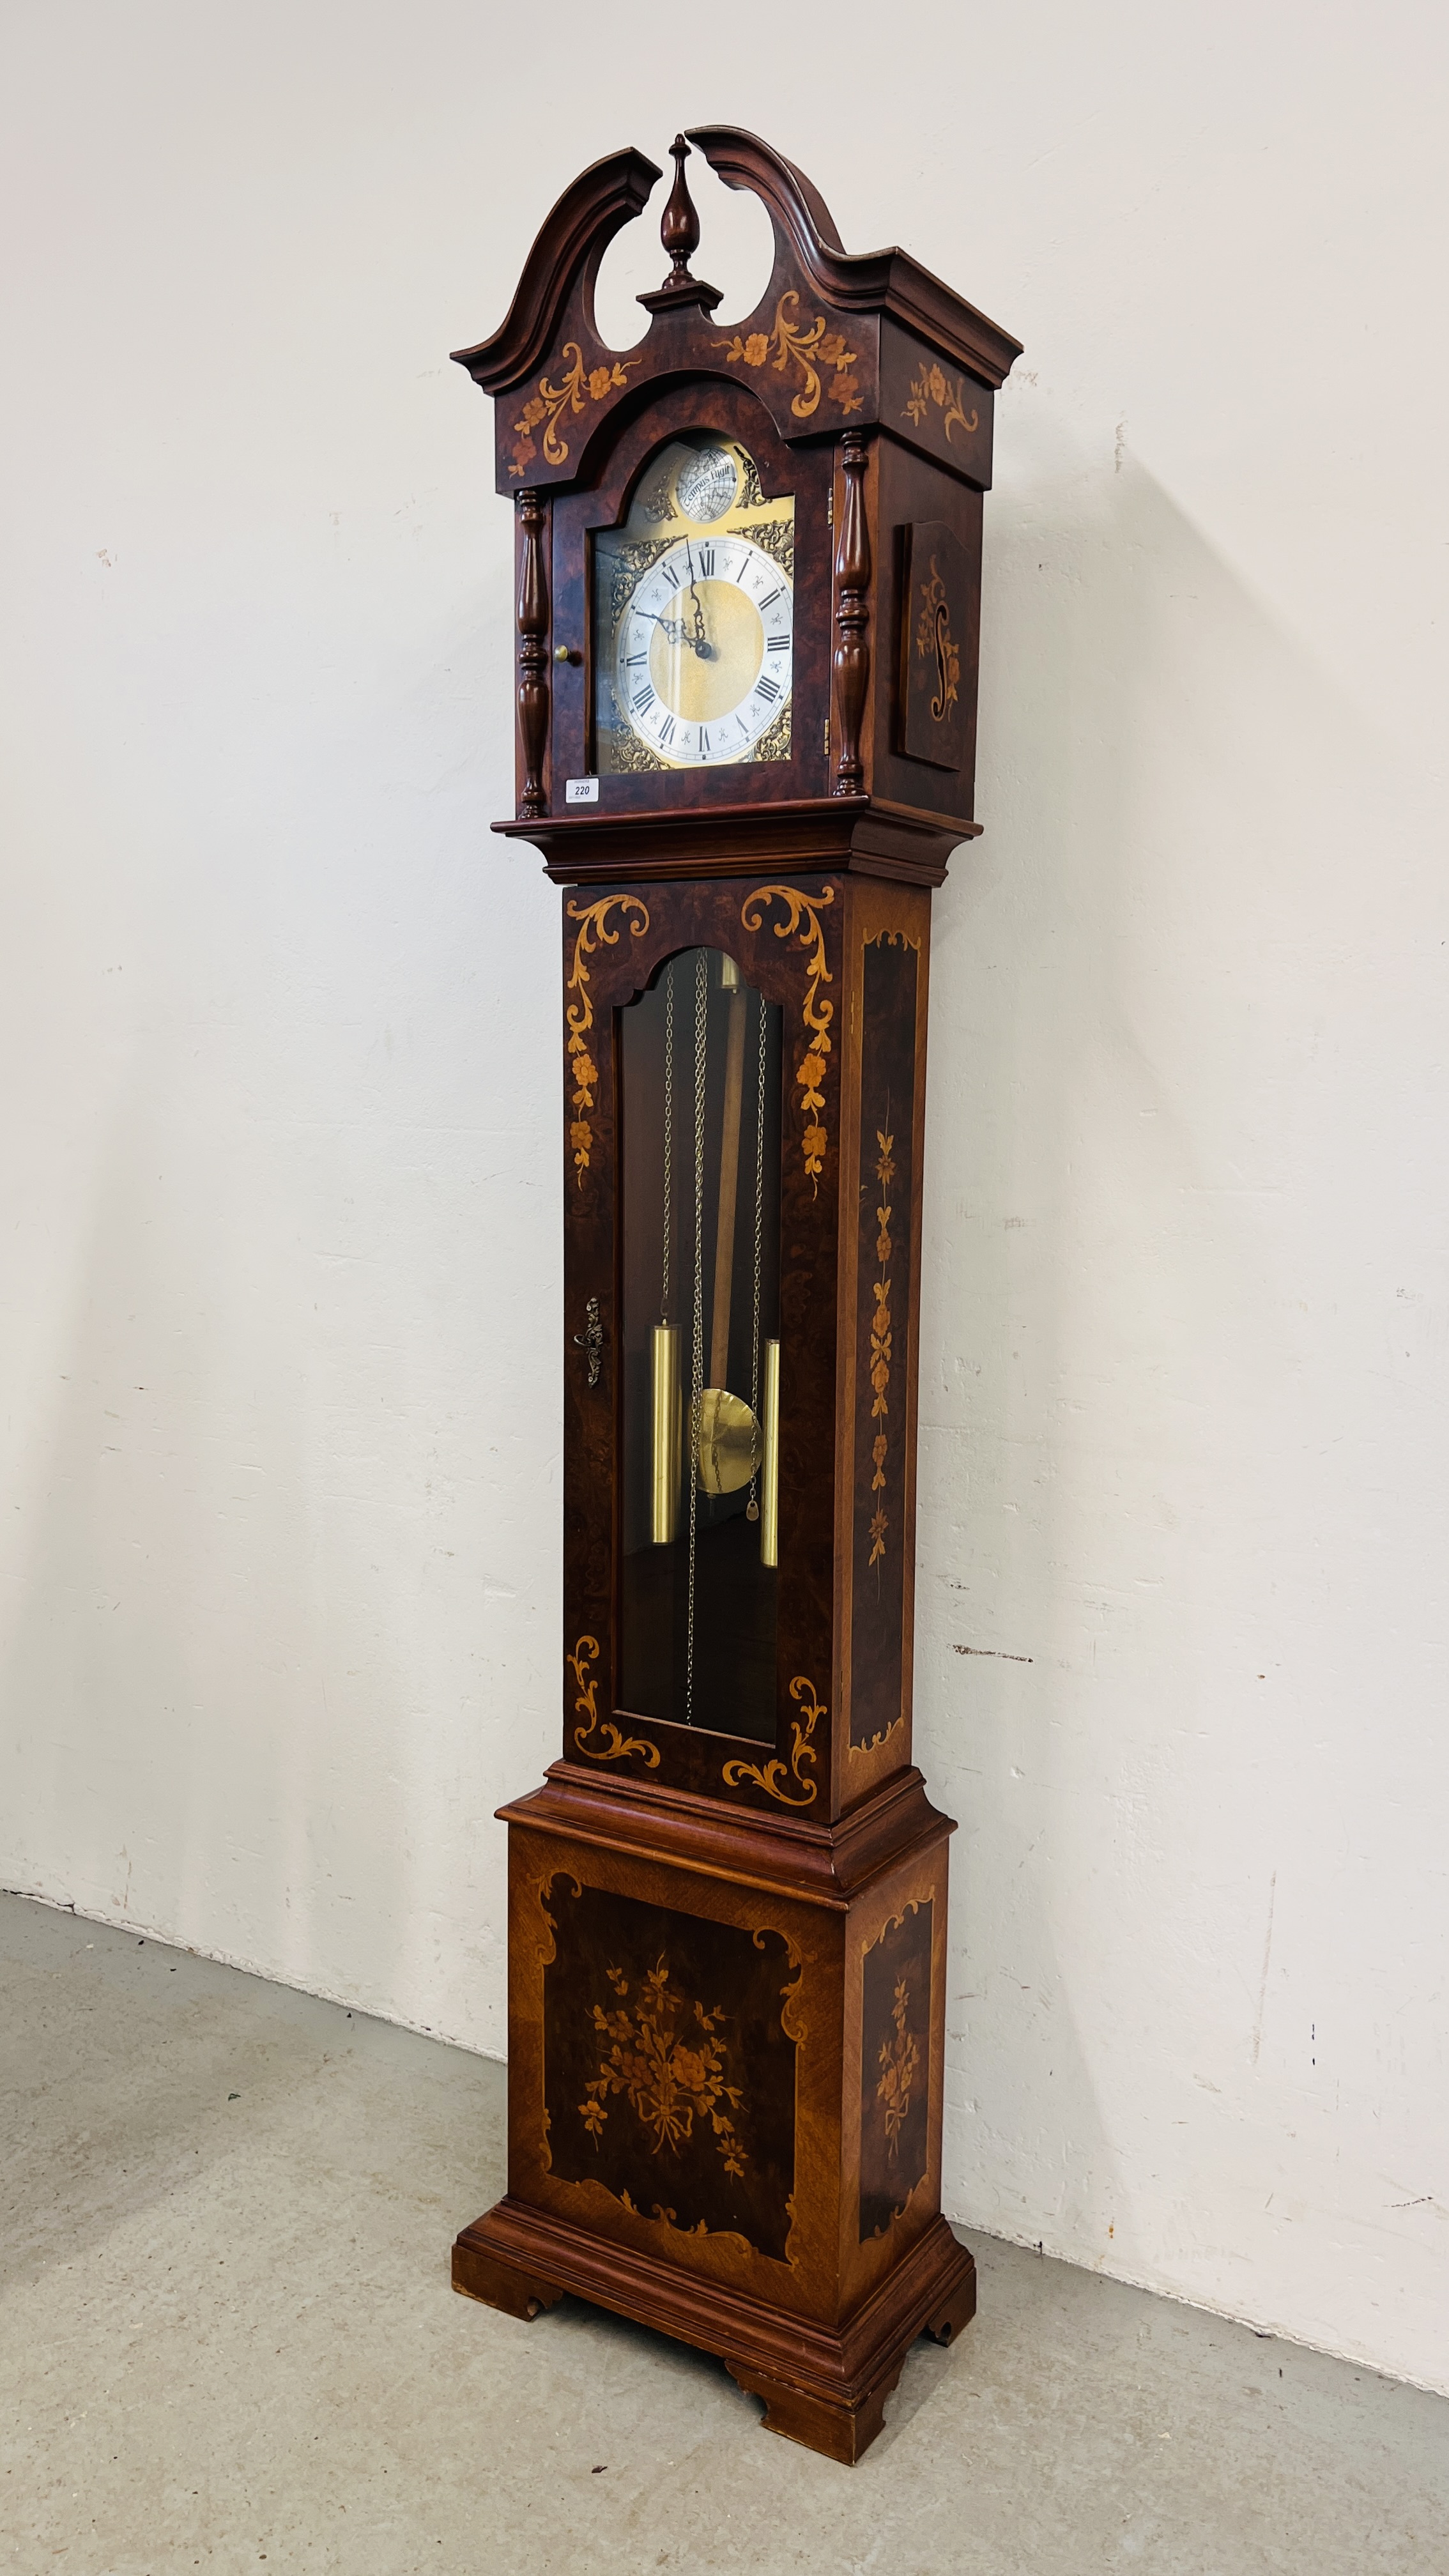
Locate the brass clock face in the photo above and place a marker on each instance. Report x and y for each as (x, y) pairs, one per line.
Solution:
(702, 664)
(694, 616)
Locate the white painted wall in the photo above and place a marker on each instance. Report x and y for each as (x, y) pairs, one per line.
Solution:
(278, 1588)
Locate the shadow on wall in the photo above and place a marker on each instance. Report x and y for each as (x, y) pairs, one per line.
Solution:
(1176, 799)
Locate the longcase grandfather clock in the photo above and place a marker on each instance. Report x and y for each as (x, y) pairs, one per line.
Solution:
(748, 590)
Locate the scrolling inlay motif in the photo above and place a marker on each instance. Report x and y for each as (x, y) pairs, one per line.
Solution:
(934, 636)
(580, 1068)
(777, 1778)
(933, 386)
(803, 348)
(615, 1745)
(817, 1014)
(547, 406)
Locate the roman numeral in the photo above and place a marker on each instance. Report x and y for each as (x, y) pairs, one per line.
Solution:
(703, 739)
(644, 699)
(666, 733)
(632, 661)
(670, 575)
(706, 563)
(771, 596)
(767, 690)
(777, 644)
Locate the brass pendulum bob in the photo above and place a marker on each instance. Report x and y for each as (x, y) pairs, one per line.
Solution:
(727, 1447)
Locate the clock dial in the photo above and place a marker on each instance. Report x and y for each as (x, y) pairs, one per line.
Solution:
(703, 657)
(694, 616)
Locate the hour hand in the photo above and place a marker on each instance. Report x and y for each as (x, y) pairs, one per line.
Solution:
(675, 631)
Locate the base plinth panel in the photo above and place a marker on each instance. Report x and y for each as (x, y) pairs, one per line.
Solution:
(823, 2387)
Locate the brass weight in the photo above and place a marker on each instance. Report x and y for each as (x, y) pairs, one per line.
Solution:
(770, 1477)
(666, 1407)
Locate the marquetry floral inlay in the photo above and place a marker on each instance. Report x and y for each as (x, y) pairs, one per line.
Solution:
(934, 636)
(779, 1779)
(666, 2057)
(933, 386)
(805, 909)
(550, 403)
(810, 350)
(580, 1070)
(599, 1738)
(899, 2061)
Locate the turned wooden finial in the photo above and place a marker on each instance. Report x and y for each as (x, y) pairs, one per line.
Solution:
(679, 232)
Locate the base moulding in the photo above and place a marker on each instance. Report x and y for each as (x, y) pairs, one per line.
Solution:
(824, 2386)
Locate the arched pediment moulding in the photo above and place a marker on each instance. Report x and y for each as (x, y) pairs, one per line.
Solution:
(837, 338)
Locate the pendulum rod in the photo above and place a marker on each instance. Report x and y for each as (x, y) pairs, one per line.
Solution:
(696, 1372)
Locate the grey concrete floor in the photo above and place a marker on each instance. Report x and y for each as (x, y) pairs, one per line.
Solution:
(227, 2341)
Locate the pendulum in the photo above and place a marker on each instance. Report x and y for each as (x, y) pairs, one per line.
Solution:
(727, 1431)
